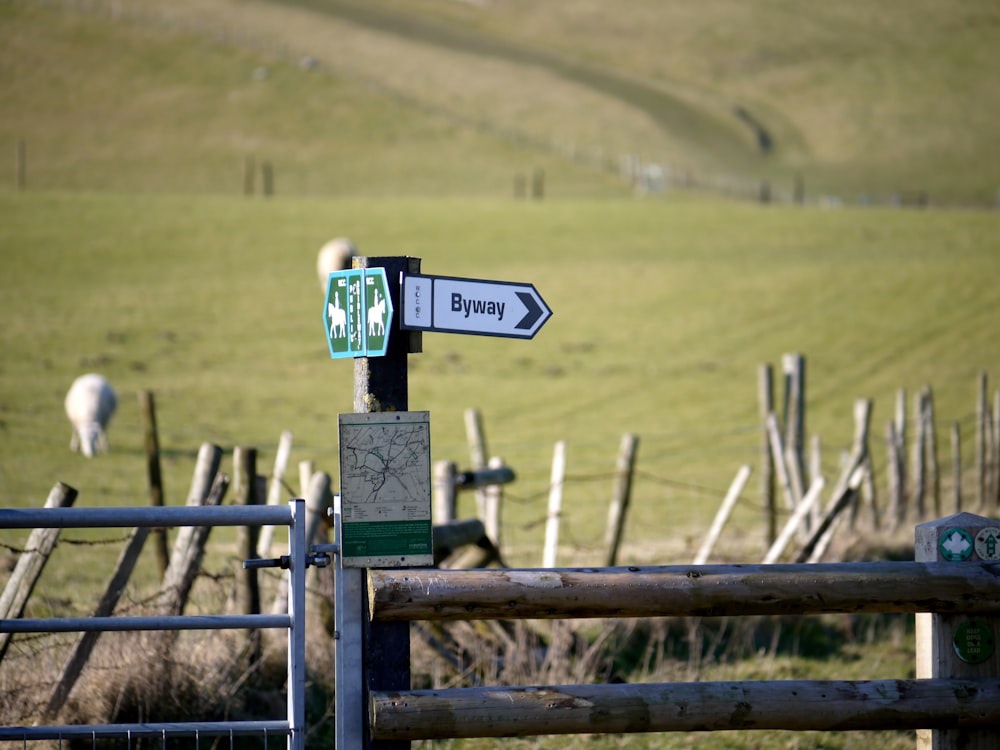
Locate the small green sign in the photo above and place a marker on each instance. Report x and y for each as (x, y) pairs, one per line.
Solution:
(357, 313)
(974, 641)
(955, 545)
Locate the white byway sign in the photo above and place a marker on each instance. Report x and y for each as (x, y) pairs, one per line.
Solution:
(475, 306)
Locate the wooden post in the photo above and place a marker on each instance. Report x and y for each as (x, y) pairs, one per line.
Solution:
(476, 437)
(933, 471)
(765, 401)
(382, 384)
(801, 513)
(274, 492)
(728, 503)
(147, 407)
(780, 464)
(31, 563)
(957, 645)
(306, 470)
(919, 454)
(859, 448)
(444, 492)
(901, 449)
(247, 592)
(894, 479)
(794, 367)
(21, 166)
(494, 505)
(556, 482)
(106, 605)
(624, 469)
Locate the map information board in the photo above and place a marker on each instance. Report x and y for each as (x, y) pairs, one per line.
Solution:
(385, 489)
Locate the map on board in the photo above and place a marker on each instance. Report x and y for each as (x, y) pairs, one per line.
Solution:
(385, 489)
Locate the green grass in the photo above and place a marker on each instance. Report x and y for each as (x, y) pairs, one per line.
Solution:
(663, 312)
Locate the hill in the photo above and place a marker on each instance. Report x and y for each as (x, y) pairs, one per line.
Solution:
(858, 101)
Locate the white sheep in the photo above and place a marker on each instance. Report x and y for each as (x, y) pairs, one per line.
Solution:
(335, 255)
(90, 404)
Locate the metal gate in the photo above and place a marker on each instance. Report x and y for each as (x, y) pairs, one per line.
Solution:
(292, 726)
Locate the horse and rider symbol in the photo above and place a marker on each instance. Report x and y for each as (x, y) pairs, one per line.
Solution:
(338, 317)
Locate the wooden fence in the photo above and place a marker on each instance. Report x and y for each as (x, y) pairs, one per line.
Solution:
(954, 586)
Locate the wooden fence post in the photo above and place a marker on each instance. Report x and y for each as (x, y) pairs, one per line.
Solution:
(933, 471)
(957, 645)
(247, 593)
(624, 469)
(306, 470)
(556, 482)
(765, 400)
(794, 367)
(919, 456)
(494, 505)
(274, 492)
(106, 605)
(147, 407)
(476, 437)
(31, 563)
(900, 448)
(722, 515)
(444, 492)
(797, 518)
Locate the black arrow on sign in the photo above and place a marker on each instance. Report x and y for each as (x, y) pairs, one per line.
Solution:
(534, 311)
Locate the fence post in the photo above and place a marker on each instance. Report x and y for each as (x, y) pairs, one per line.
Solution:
(558, 479)
(147, 406)
(30, 564)
(623, 494)
(765, 397)
(722, 515)
(247, 593)
(494, 504)
(955, 645)
(274, 492)
(476, 437)
(444, 491)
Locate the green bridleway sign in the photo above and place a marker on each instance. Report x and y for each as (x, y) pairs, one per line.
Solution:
(358, 313)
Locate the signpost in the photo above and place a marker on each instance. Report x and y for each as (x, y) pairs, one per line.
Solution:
(474, 306)
(358, 313)
(383, 513)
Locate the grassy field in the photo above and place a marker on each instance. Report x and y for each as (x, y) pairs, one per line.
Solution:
(133, 252)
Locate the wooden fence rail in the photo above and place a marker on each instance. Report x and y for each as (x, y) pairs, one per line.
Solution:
(683, 591)
(800, 705)
(953, 587)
